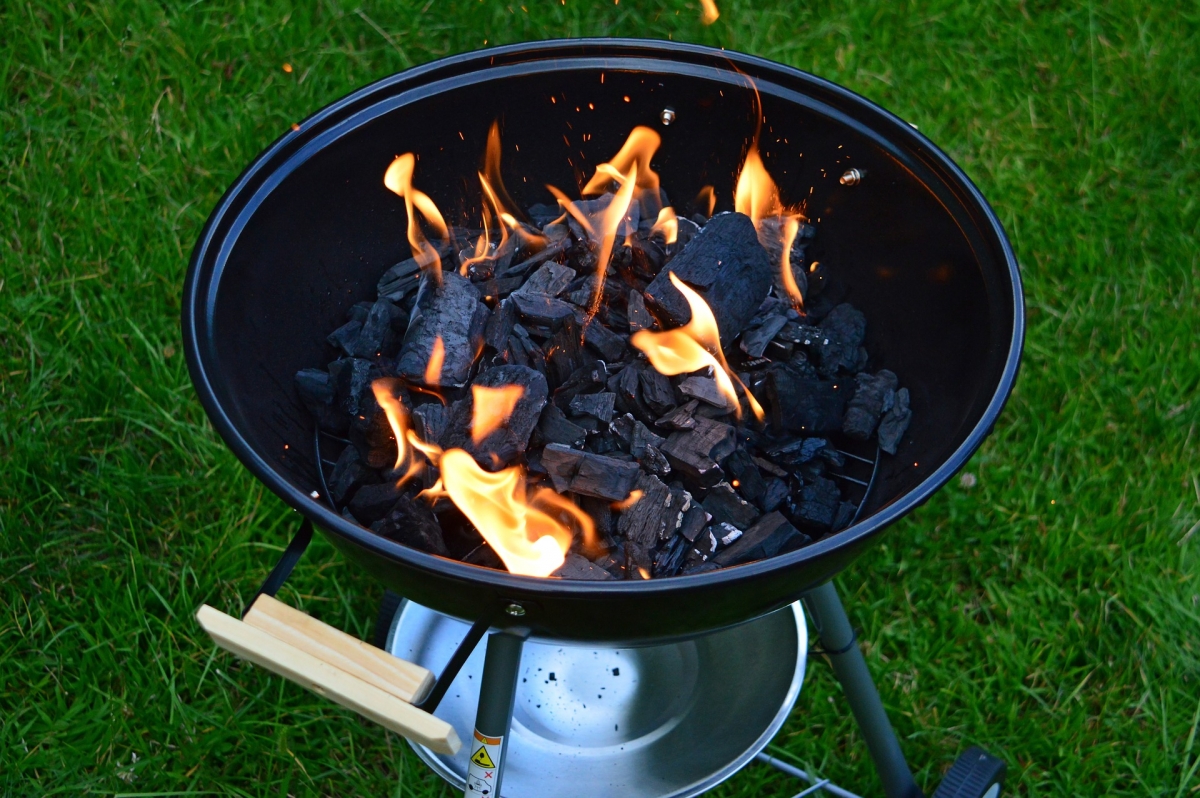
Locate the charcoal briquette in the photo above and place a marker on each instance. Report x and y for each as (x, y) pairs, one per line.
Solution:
(771, 535)
(725, 506)
(412, 523)
(873, 394)
(589, 474)
(895, 422)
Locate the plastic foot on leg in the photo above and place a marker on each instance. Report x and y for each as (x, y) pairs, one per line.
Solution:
(976, 774)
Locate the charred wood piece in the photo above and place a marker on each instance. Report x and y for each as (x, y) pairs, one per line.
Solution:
(727, 267)
(895, 422)
(411, 522)
(771, 535)
(581, 568)
(873, 395)
(453, 313)
(589, 474)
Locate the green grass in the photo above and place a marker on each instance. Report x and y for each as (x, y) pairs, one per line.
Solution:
(1050, 612)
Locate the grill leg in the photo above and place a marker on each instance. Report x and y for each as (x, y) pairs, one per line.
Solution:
(837, 638)
(497, 692)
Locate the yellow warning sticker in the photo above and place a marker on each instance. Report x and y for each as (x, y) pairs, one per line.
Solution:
(482, 759)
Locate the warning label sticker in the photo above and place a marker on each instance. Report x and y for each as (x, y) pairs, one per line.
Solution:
(481, 769)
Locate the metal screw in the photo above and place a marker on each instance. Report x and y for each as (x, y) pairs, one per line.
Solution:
(667, 116)
(853, 177)
(515, 610)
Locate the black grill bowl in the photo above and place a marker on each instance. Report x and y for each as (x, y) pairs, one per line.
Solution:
(308, 228)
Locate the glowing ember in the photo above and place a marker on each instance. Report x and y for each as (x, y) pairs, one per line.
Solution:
(757, 196)
(398, 179)
(528, 540)
(492, 408)
(693, 347)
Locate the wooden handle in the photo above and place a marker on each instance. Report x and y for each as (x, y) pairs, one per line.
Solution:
(301, 658)
(405, 680)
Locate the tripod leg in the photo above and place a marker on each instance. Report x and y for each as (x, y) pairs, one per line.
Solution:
(838, 640)
(497, 692)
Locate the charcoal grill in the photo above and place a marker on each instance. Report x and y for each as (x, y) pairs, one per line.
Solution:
(306, 230)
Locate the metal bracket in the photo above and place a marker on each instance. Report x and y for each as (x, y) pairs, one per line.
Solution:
(457, 660)
(287, 561)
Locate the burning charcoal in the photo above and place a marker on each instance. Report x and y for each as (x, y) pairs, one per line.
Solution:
(818, 502)
(578, 567)
(770, 536)
(695, 452)
(317, 392)
(894, 423)
(587, 379)
(589, 474)
(550, 251)
(512, 433)
(542, 309)
(376, 335)
(693, 522)
(727, 267)
(372, 502)
(840, 347)
(613, 561)
(654, 517)
(844, 515)
(799, 451)
(345, 336)
(638, 562)
(725, 506)
(543, 214)
(874, 395)
(601, 513)
(626, 385)
(399, 280)
(452, 313)
(656, 391)
(770, 468)
(703, 547)
(349, 474)
(744, 475)
(671, 557)
(497, 288)
(351, 378)
(800, 404)
(597, 405)
(776, 493)
(523, 351)
(500, 325)
(411, 522)
(725, 533)
(610, 345)
(372, 435)
(705, 389)
(654, 461)
(639, 317)
(429, 421)
(555, 428)
(564, 352)
(764, 327)
(682, 417)
(636, 435)
(550, 280)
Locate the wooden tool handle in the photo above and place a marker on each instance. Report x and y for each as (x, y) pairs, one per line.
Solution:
(334, 665)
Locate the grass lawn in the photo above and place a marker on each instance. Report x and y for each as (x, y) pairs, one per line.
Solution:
(1050, 612)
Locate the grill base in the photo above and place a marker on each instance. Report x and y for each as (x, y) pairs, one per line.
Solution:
(647, 722)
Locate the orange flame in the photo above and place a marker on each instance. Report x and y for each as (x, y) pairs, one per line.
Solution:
(493, 406)
(637, 150)
(633, 498)
(692, 347)
(757, 196)
(708, 12)
(398, 179)
(709, 197)
(437, 356)
(667, 224)
(613, 215)
(528, 540)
